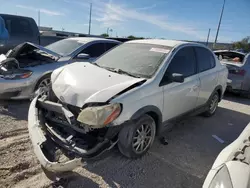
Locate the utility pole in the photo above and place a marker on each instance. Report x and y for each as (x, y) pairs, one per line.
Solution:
(208, 36)
(108, 31)
(218, 29)
(111, 31)
(90, 12)
(39, 18)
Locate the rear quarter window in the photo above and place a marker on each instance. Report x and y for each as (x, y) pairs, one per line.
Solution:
(205, 59)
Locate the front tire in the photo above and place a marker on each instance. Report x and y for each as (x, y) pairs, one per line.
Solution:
(44, 83)
(136, 139)
(212, 105)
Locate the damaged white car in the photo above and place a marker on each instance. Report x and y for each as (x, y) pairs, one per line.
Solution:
(130, 95)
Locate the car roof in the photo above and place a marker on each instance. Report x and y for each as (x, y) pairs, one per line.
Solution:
(16, 16)
(90, 39)
(170, 43)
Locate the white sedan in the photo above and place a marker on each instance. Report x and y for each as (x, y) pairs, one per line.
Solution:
(127, 97)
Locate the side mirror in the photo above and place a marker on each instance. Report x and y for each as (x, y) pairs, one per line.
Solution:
(83, 56)
(177, 78)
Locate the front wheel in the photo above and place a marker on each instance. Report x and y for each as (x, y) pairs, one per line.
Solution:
(136, 139)
(44, 83)
(212, 105)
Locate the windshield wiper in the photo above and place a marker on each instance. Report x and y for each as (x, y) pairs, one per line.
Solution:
(128, 73)
(119, 71)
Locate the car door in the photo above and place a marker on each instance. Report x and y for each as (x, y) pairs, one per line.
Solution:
(207, 74)
(94, 50)
(180, 98)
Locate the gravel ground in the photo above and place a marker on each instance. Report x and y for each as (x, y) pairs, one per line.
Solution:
(184, 162)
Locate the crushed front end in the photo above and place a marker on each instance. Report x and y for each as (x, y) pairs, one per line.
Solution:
(60, 141)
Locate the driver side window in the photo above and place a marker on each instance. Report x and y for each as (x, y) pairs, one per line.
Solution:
(183, 62)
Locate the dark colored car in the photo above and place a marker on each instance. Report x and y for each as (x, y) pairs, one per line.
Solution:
(22, 29)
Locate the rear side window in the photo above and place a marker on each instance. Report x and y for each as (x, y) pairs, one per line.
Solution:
(109, 46)
(18, 27)
(95, 50)
(183, 62)
(205, 59)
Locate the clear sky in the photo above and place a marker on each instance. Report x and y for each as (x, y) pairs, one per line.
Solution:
(170, 19)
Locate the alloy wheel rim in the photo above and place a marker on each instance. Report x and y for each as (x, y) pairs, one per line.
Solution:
(214, 103)
(142, 138)
(44, 84)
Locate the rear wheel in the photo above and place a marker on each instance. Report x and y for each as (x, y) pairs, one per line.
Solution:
(136, 139)
(213, 104)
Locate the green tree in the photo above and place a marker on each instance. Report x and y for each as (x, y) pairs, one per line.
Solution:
(105, 35)
(243, 44)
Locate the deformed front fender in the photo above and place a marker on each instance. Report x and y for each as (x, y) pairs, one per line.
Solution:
(152, 111)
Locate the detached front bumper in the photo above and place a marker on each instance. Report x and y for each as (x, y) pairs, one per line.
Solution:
(43, 137)
(37, 137)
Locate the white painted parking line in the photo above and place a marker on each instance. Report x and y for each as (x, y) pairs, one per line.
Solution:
(218, 139)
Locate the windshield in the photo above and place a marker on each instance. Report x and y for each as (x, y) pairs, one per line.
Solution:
(65, 47)
(135, 58)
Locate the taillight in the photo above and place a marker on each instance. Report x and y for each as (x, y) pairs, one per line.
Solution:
(240, 72)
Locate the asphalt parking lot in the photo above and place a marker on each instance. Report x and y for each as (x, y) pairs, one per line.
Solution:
(184, 162)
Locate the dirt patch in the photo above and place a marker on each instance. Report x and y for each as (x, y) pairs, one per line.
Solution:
(17, 160)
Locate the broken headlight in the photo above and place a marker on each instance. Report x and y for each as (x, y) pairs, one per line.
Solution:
(99, 116)
(17, 76)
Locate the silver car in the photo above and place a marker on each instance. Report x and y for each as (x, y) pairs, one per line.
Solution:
(28, 66)
(238, 65)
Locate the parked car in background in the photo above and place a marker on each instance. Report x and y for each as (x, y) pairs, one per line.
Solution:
(238, 65)
(137, 90)
(28, 66)
(23, 29)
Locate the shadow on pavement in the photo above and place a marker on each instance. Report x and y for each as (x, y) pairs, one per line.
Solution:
(76, 179)
(184, 162)
(236, 98)
(17, 109)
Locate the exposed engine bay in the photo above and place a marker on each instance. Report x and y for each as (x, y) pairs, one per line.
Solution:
(66, 138)
(23, 56)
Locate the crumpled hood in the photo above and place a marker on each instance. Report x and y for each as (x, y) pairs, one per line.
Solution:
(27, 46)
(81, 83)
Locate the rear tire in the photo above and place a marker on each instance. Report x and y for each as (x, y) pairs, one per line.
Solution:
(136, 139)
(212, 105)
